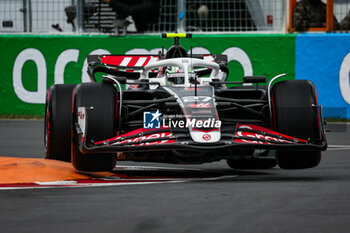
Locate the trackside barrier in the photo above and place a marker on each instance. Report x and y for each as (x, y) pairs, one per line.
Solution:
(32, 63)
(325, 60)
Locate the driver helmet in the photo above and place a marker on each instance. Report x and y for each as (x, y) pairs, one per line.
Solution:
(175, 75)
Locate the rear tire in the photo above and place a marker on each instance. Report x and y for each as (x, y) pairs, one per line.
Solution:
(253, 163)
(58, 117)
(298, 159)
(101, 123)
(295, 116)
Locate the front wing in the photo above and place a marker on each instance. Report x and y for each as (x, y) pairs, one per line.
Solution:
(242, 137)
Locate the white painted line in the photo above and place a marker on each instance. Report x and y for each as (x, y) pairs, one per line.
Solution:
(332, 149)
(87, 185)
(141, 168)
(62, 182)
(338, 147)
(74, 184)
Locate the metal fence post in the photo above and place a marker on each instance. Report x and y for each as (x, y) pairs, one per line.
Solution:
(30, 15)
(79, 9)
(181, 15)
(24, 11)
(27, 15)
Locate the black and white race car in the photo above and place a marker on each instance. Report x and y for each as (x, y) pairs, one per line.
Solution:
(175, 107)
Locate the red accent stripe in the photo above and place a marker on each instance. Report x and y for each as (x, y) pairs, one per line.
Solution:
(146, 62)
(112, 60)
(133, 61)
(116, 60)
(134, 132)
(263, 129)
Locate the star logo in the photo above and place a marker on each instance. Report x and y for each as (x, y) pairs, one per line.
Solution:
(155, 115)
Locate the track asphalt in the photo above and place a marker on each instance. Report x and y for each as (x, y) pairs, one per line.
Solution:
(275, 200)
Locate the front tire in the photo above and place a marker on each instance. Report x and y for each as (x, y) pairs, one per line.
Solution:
(101, 124)
(295, 114)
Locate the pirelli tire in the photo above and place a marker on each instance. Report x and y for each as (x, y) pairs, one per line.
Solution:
(58, 120)
(101, 99)
(295, 114)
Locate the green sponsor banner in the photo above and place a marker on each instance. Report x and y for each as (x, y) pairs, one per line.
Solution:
(31, 63)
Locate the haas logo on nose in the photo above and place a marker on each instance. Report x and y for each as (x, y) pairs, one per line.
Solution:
(206, 137)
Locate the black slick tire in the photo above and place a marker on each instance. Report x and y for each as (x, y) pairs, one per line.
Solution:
(295, 115)
(252, 163)
(58, 118)
(101, 124)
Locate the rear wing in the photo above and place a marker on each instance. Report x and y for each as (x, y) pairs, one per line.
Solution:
(130, 66)
(122, 61)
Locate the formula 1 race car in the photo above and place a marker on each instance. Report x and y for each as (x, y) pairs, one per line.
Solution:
(175, 107)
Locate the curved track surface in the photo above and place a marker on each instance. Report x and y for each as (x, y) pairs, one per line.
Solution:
(209, 198)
